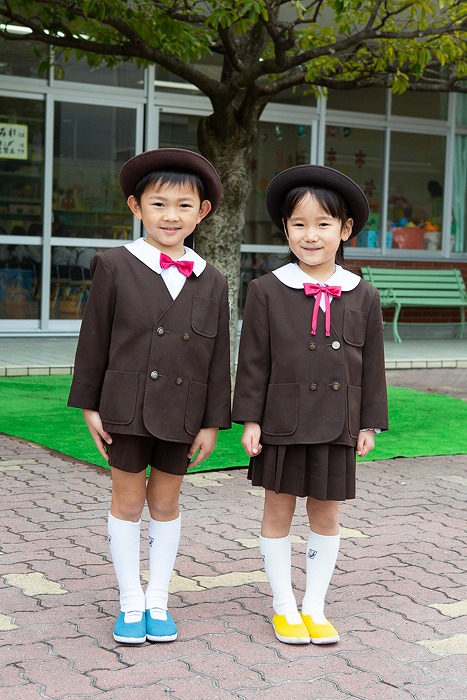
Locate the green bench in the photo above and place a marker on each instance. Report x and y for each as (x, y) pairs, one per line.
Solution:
(400, 287)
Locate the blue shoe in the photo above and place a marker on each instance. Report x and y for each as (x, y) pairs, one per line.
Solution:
(130, 632)
(160, 630)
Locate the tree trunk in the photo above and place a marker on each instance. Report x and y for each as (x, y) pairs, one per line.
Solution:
(219, 238)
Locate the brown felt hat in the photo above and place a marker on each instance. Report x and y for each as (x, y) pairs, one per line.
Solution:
(166, 159)
(318, 176)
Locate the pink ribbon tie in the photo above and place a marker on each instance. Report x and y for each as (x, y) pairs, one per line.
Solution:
(183, 266)
(317, 290)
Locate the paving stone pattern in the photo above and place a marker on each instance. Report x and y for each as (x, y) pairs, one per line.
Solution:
(398, 595)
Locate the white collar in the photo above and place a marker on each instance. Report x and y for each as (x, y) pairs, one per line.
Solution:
(293, 276)
(150, 256)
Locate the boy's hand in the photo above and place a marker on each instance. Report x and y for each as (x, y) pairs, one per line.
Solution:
(365, 442)
(250, 439)
(205, 442)
(99, 435)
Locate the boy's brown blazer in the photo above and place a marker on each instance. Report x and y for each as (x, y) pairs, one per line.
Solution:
(309, 389)
(149, 364)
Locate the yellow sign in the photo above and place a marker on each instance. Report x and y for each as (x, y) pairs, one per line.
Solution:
(13, 141)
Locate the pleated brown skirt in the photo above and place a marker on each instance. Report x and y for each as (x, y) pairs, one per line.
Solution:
(325, 472)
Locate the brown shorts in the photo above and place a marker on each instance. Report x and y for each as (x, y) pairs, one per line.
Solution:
(133, 453)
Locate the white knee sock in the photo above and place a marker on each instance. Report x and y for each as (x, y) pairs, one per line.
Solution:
(124, 542)
(164, 538)
(277, 557)
(321, 557)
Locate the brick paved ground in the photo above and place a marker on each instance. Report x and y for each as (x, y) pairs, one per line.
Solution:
(398, 595)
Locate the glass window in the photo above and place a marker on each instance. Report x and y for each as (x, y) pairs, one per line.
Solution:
(369, 100)
(461, 109)
(70, 281)
(459, 214)
(21, 166)
(415, 206)
(91, 143)
(428, 105)
(278, 146)
(20, 58)
(20, 281)
(359, 154)
(126, 75)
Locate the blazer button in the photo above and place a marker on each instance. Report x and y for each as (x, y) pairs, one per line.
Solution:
(186, 336)
(335, 345)
(179, 381)
(336, 386)
(313, 387)
(154, 375)
(160, 331)
(312, 346)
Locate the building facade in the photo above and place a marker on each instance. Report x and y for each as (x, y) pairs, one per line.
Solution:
(63, 142)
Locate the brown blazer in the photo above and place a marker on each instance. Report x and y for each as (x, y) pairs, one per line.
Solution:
(149, 364)
(305, 389)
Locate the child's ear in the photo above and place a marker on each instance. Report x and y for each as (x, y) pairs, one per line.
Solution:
(204, 209)
(134, 206)
(347, 230)
(285, 229)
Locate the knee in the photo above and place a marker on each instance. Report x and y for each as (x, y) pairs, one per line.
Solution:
(164, 509)
(127, 507)
(324, 518)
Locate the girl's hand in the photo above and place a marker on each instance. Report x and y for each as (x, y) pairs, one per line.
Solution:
(365, 442)
(99, 435)
(204, 443)
(250, 439)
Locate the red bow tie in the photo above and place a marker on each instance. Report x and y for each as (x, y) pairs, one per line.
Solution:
(183, 266)
(319, 290)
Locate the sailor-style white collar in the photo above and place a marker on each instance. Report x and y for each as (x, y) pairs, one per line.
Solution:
(150, 256)
(293, 276)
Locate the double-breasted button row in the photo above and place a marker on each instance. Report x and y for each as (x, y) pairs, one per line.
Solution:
(335, 386)
(161, 331)
(155, 375)
(335, 345)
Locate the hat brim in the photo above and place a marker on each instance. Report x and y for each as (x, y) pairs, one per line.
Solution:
(318, 176)
(165, 158)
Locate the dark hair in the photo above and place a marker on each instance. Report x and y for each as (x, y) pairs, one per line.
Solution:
(174, 176)
(329, 200)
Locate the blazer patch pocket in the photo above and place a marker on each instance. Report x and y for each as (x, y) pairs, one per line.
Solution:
(195, 407)
(118, 397)
(281, 410)
(354, 327)
(204, 316)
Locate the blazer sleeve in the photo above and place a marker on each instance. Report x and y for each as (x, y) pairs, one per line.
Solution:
(374, 405)
(217, 409)
(254, 358)
(92, 353)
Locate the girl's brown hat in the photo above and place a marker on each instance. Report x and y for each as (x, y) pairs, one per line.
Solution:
(166, 159)
(318, 176)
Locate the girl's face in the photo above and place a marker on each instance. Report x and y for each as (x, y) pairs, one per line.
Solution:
(314, 237)
(169, 214)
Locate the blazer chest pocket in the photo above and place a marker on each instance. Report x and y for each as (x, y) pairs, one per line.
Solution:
(118, 397)
(204, 316)
(281, 410)
(354, 327)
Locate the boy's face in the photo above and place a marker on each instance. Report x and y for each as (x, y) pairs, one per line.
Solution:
(169, 214)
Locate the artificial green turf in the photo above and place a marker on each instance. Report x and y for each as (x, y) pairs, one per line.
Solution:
(35, 408)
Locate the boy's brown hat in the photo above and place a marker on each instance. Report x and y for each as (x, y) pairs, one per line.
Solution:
(166, 159)
(318, 176)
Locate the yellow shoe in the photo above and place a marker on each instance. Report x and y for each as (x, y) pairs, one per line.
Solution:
(320, 634)
(290, 634)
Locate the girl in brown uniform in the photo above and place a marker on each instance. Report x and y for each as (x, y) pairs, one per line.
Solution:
(310, 386)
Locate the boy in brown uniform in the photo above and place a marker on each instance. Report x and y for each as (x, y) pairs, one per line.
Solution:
(152, 372)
